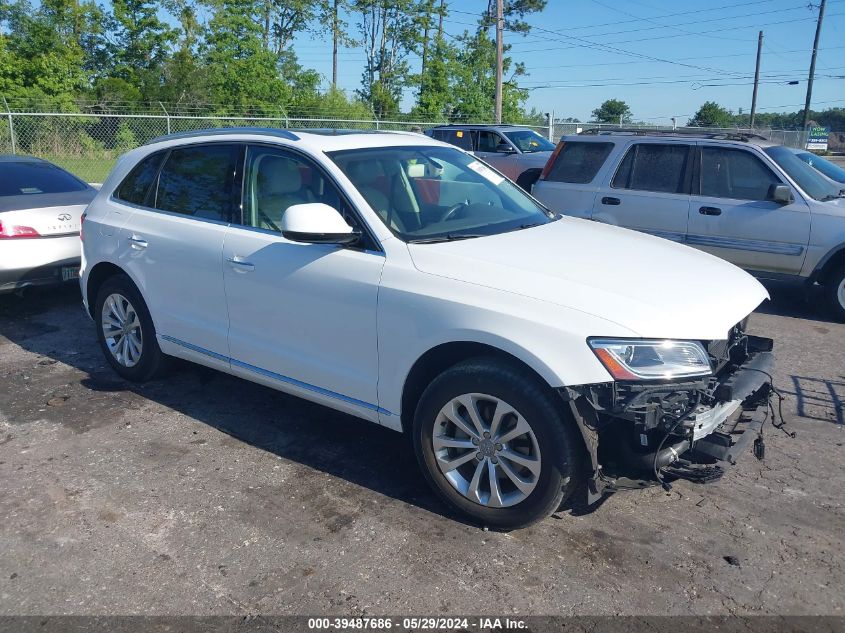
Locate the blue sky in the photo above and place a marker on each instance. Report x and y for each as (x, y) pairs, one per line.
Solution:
(582, 52)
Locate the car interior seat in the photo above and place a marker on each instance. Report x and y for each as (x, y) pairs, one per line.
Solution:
(278, 186)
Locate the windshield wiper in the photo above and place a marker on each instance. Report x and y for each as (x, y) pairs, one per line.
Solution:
(839, 195)
(449, 237)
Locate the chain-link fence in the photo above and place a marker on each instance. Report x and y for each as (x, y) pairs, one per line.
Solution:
(89, 144)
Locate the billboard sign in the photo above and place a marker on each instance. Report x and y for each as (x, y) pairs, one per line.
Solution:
(817, 137)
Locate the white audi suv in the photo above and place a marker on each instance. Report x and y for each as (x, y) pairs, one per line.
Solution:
(398, 279)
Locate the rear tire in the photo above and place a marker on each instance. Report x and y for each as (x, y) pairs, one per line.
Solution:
(125, 330)
(527, 178)
(835, 291)
(516, 466)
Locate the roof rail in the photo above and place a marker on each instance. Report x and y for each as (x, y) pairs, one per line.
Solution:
(482, 125)
(739, 135)
(220, 131)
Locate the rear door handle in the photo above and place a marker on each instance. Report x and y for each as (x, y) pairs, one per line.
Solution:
(137, 242)
(710, 211)
(611, 201)
(240, 265)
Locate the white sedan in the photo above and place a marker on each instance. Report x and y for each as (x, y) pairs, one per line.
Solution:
(40, 210)
(400, 280)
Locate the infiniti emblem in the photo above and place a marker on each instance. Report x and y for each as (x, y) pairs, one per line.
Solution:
(65, 217)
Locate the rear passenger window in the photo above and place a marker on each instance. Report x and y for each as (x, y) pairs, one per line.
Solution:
(734, 173)
(653, 167)
(458, 138)
(136, 185)
(197, 181)
(579, 162)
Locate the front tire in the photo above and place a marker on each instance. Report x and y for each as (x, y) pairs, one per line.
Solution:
(494, 442)
(835, 290)
(125, 330)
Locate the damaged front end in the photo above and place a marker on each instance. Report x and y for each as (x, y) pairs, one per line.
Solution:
(643, 432)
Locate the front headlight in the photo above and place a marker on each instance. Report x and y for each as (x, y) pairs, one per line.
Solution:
(637, 359)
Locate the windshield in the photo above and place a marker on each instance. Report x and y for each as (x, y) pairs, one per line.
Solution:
(31, 178)
(832, 171)
(812, 182)
(529, 141)
(429, 193)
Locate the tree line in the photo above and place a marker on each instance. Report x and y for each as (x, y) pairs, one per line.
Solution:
(237, 56)
(711, 114)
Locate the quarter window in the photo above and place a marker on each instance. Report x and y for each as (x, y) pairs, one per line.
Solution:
(277, 180)
(579, 162)
(653, 167)
(136, 185)
(197, 181)
(734, 173)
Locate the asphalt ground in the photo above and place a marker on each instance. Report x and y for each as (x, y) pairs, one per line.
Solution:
(204, 494)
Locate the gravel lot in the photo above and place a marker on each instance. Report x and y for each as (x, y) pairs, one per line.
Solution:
(204, 494)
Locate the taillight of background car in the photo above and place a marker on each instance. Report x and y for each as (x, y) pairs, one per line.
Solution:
(548, 166)
(10, 231)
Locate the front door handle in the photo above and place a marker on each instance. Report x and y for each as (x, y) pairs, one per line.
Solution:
(611, 201)
(710, 211)
(240, 265)
(137, 242)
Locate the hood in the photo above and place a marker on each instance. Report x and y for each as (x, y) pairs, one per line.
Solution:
(538, 158)
(651, 286)
(831, 207)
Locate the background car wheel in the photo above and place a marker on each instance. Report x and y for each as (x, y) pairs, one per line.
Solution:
(125, 330)
(495, 444)
(835, 289)
(527, 178)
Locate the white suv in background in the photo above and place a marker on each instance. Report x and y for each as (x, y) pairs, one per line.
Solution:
(737, 196)
(400, 280)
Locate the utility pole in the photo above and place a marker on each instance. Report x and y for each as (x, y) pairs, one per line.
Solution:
(334, 44)
(756, 78)
(813, 66)
(500, 49)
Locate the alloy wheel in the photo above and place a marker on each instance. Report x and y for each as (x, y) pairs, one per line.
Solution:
(840, 293)
(486, 450)
(122, 330)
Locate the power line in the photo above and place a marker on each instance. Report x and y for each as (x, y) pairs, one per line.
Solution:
(802, 50)
(665, 37)
(617, 22)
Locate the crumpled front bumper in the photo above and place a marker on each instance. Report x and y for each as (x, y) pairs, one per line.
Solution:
(745, 391)
(626, 449)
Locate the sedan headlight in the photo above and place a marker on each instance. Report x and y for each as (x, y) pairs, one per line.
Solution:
(637, 359)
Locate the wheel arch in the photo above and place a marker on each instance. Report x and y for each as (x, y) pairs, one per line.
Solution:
(829, 263)
(97, 277)
(440, 358)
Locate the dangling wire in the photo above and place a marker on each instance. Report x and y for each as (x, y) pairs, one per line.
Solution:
(781, 426)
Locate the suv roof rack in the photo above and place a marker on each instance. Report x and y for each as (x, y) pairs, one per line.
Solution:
(733, 136)
(220, 131)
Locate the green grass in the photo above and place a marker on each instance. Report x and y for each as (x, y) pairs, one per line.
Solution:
(89, 169)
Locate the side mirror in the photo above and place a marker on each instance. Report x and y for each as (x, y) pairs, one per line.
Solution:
(316, 223)
(504, 148)
(780, 194)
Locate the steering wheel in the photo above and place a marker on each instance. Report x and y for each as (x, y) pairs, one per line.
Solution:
(453, 211)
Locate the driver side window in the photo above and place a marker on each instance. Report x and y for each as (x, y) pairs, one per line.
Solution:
(276, 180)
